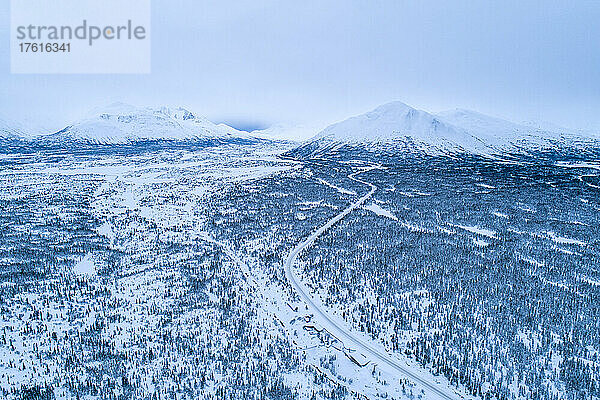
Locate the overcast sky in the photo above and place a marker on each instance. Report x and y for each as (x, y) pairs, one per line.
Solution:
(263, 62)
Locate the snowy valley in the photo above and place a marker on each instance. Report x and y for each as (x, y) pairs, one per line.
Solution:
(148, 253)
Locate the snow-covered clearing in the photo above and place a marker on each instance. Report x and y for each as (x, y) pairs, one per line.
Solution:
(380, 211)
(563, 240)
(478, 230)
(85, 266)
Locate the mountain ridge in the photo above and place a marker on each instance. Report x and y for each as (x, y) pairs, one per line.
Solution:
(123, 123)
(399, 125)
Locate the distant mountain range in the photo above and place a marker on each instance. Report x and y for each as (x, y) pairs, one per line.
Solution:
(121, 123)
(391, 128)
(399, 127)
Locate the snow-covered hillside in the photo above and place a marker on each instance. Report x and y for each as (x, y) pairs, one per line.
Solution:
(397, 125)
(9, 130)
(525, 136)
(119, 123)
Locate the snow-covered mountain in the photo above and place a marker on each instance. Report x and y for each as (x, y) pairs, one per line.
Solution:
(398, 127)
(121, 123)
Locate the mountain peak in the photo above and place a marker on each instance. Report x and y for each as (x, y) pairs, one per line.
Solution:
(181, 113)
(394, 107)
(397, 121)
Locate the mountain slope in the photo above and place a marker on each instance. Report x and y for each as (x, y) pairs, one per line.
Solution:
(475, 122)
(10, 131)
(528, 137)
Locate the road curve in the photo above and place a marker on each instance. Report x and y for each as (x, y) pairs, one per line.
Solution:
(332, 326)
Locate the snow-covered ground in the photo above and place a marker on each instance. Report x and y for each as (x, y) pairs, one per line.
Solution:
(233, 271)
(153, 212)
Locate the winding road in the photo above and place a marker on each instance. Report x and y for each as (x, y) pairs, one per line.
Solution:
(336, 328)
